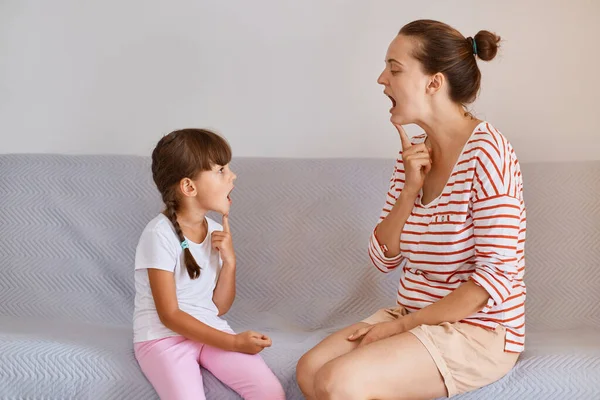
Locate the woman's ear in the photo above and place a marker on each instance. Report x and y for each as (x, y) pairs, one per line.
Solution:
(436, 82)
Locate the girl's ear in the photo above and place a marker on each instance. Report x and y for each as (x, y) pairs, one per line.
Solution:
(188, 187)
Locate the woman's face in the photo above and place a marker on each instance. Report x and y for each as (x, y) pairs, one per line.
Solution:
(404, 82)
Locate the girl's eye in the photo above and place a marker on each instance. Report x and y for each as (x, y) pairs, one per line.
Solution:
(221, 170)
(395, 72)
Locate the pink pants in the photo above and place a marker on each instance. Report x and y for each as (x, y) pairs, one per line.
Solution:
(172, 367)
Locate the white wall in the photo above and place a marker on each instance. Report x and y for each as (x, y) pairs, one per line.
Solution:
(279, 78)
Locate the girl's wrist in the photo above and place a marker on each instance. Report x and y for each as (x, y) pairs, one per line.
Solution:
(229, 263)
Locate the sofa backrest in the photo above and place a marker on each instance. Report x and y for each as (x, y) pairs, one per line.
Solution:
(69, 226)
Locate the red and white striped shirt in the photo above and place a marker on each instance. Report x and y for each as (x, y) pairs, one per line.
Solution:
(474, 230)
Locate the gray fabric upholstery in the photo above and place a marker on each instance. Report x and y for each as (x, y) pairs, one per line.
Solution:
(69, 226)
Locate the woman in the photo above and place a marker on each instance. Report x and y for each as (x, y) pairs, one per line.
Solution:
(454, 221)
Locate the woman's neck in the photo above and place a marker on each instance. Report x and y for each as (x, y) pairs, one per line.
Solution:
(447, 132)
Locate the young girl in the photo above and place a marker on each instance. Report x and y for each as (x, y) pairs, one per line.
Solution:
(185, 278)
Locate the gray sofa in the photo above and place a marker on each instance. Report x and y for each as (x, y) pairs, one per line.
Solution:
(69, 226)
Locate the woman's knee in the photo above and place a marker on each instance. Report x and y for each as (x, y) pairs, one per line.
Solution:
(305, 372)
(335, 380)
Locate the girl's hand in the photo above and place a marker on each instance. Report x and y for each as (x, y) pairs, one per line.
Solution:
(221, 240)
(250, 342)
(417, 162)
(373, 333)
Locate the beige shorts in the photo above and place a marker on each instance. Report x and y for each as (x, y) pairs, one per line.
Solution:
(467, 356)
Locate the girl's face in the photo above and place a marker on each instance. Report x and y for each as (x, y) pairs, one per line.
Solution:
(213, 189)
(404, 82)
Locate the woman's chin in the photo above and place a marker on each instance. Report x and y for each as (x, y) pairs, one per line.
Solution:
(397, 119)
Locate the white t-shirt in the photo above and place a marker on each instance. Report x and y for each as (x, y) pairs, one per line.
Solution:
(160, 248)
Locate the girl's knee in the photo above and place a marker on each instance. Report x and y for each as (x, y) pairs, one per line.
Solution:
(267, 389)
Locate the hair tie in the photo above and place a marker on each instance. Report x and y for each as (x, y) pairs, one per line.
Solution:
(474, 44)
(185, 244)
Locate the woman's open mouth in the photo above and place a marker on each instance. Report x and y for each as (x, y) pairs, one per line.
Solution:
(393, 102)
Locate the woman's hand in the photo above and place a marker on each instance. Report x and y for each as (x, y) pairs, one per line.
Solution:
(373, 333)
(417, 162)
(221, 240)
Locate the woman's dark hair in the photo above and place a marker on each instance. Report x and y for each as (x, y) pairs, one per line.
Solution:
(441, 48)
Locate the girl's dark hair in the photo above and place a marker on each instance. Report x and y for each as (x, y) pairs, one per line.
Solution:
(441, 48)
(184, 154)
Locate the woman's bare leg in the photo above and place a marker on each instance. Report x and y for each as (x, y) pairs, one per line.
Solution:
(396, 368)
(333, 346)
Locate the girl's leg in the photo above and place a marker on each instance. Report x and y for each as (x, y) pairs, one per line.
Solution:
(247, 374)
(171, 366)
